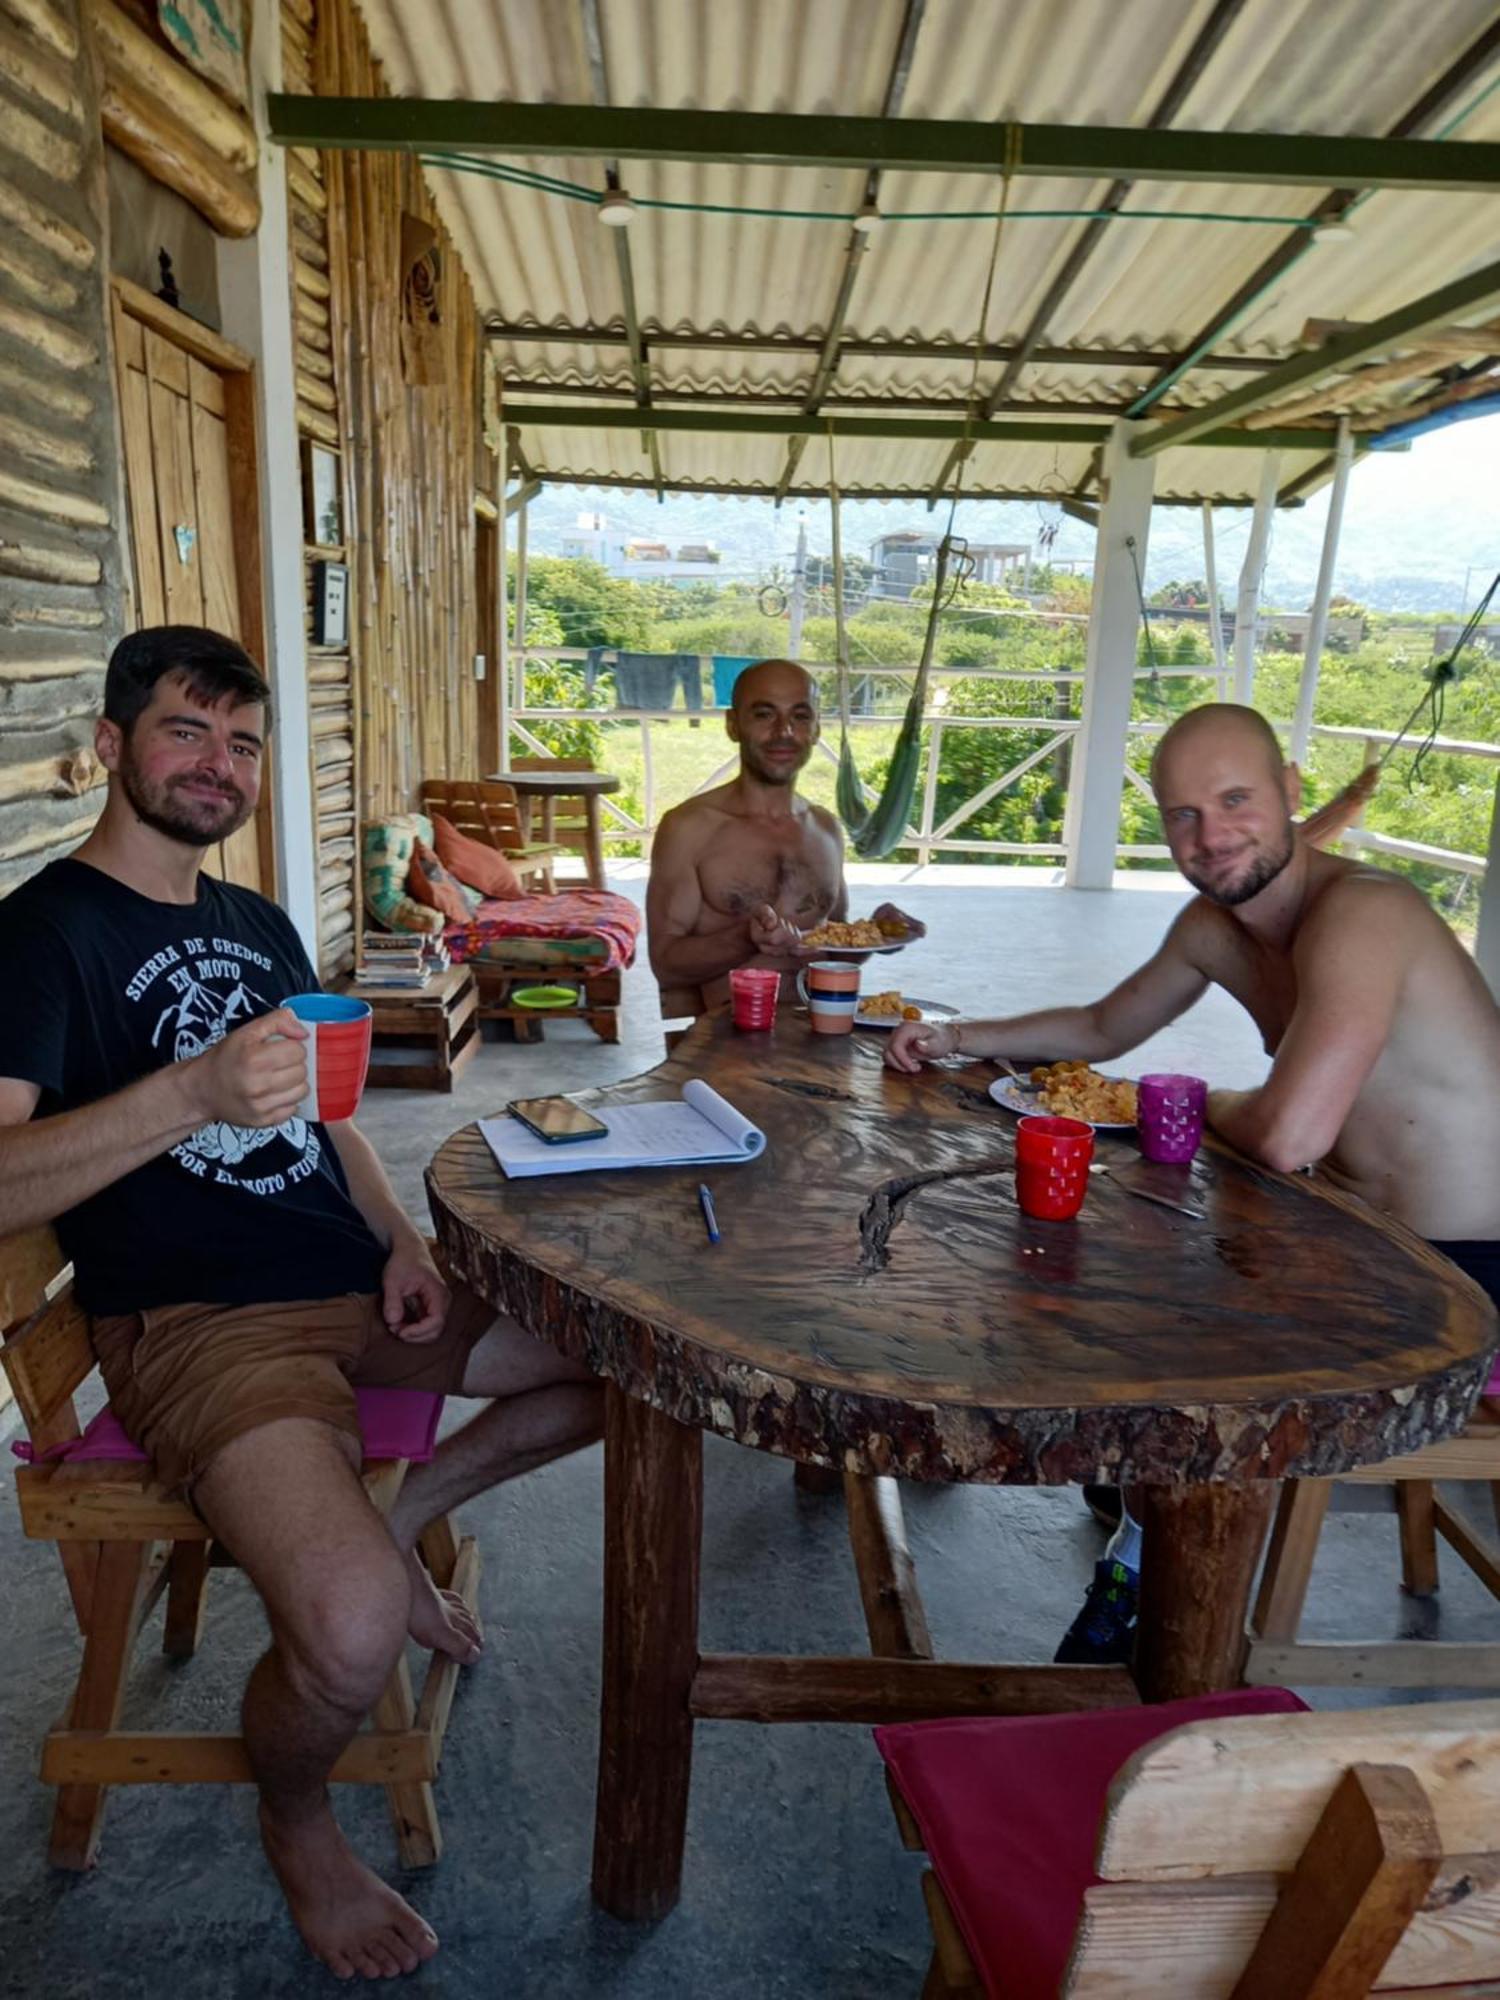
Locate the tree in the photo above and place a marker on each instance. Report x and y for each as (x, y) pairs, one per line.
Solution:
(592, 607)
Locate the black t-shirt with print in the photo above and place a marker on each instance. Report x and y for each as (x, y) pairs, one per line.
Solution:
(102, 986)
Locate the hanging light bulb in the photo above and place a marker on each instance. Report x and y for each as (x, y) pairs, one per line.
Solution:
(617, 210)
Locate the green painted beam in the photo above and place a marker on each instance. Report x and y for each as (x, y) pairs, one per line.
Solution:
(920, 145)
(755, 423)
(1479, 290)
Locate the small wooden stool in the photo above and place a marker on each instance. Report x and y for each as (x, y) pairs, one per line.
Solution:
(421, 1040)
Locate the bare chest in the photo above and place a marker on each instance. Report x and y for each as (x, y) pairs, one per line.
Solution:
(794, 868)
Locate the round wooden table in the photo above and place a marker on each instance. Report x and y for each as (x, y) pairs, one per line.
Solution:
(549, 787)
(878, 1304)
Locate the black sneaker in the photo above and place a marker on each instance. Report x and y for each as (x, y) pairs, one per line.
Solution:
(1103, 1633)
(1106, 1504)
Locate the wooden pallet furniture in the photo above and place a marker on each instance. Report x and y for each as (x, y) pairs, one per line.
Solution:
(487, 810)
(124, 1543)
(1263, 1856)
(1276, 1654)
(422, 1040)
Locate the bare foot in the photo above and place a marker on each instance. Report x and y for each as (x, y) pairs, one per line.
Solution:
(349, 1919)
(440, 1620)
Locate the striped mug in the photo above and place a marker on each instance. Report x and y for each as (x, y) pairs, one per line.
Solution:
(830, 987)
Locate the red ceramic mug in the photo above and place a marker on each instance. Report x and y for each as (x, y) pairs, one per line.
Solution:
(338, 1053)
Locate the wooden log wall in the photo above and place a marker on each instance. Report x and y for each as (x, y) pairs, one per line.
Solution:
(60, 577)
(409, 450)
(330, 680)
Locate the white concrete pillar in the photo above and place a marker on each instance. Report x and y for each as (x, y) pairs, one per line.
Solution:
(799, 592)
(1092, 830)
(1487, 938)
(518, 627)
(502, 597)
(1247, 608)
(255, 296)
(1317, 624)
(1215, 621)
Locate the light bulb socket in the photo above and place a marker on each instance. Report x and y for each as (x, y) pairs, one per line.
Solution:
(868, 218)
(617, 210)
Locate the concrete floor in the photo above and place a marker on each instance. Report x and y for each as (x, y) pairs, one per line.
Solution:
(796, 1883)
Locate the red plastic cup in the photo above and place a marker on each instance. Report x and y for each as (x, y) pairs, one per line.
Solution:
(338, 1053)
(1052, 1166)
(1169, 1116)
(752, 993)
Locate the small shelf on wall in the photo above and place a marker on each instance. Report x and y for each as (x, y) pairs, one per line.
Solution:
(324, 552)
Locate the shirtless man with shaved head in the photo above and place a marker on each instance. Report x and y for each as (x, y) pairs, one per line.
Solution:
(1384, 1037)
(739, 873)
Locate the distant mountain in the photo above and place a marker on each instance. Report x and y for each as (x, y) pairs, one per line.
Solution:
(1421, 528)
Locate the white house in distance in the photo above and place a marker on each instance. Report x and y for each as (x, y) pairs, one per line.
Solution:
(903, 561)
(649, 560)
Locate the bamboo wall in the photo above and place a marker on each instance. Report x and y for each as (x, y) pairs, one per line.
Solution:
(330, 681)
(60, 582)
(409, 454)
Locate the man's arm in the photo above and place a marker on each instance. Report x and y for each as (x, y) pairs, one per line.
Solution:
(255, 1076)
(414, 1296)
(1139, 1006)
(1350, 959)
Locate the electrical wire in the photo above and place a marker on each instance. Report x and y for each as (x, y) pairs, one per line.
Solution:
(1436, 693)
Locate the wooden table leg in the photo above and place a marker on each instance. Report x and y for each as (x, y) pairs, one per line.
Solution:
(1197, 1565)
(653, 1522)
(594, 839)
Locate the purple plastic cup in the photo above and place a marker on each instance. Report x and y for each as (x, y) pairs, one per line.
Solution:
(1169, 1116)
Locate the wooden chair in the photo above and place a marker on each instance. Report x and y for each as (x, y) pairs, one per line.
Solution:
(487, 810)
(568, 819)
(1274, 1856)
(1276, 1654)
(123, 1543)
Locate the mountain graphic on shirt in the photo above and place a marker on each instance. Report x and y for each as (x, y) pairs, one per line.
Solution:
(197, 1019)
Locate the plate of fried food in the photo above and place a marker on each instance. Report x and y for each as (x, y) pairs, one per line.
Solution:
(886, 929)
(889, 1010)
(1070, 1090)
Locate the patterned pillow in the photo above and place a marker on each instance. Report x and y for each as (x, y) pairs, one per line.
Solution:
(389, 845)
(429, 883)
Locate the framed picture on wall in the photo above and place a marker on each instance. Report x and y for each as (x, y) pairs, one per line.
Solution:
(322, 503)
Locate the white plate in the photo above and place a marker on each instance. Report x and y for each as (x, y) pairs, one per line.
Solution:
(1005, 1090)
(932, 1011)
(861, 950)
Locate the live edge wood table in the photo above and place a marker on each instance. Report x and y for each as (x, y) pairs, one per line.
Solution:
(879, 1304)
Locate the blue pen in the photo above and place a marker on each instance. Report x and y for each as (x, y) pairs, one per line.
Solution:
(710, 1220)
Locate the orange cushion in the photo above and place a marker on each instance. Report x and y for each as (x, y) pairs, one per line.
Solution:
(479, 867)
(429, 882)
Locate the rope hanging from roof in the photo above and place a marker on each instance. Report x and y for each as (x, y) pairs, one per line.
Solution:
(877, 829)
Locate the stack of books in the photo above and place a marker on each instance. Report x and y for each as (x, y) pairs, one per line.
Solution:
(392, 959)
(435, 954)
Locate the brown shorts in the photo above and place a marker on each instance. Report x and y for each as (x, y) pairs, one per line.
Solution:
(185, 1380)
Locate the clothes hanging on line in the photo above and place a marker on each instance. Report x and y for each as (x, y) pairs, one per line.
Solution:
(727, 669)
(650, 681)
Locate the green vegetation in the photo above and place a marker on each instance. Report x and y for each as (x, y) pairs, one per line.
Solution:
(1444, 801)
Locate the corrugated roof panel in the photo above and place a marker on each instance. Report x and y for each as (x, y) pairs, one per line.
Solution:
(1282, 65)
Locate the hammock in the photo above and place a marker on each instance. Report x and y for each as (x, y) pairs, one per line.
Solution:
(876, 830)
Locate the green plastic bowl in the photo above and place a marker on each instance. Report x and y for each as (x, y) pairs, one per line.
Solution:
(544, 996)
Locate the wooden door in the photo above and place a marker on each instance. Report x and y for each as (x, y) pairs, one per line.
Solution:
(187, 421)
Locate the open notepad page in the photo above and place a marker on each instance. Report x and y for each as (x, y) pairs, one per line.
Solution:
(700, 1128)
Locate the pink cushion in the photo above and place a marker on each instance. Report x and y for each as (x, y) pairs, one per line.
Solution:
(1492, 1387)
(395, 1423)
(1009, 1808)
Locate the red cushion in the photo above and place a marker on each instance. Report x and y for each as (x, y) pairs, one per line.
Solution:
(394, 1423)
(428, 882)
(479, 867)
(1009, 1808)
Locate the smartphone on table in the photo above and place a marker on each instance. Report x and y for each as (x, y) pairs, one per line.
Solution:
(557, 1120)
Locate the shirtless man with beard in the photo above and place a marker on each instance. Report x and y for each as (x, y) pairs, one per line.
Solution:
(1385, 1040)
(739, 873)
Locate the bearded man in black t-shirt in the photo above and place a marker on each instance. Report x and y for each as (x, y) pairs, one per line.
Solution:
(245, 1267)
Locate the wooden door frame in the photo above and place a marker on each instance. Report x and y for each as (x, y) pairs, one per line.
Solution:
(238, 371)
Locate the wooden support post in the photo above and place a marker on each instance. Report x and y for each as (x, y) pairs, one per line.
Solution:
(653, 1524)
(119, 1586)
(894, 1617)
(1317, 624)
(1415, 1509)
(502, 601)
(1201, 1547)
(1247, 605)
(1361, 1879)
(1098, 767)
(1289, 1558)
(518, 624)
